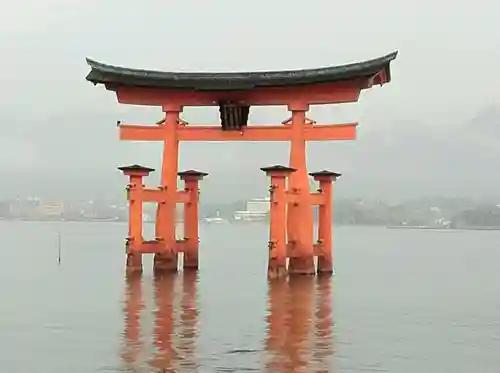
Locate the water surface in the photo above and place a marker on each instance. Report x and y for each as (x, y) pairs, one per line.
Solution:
(402, 301)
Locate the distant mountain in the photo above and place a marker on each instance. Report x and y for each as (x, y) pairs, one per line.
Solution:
(403, 160)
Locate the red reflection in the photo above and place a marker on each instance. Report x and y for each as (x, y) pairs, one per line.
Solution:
(299, 337)
(189, 321)
(278, 299)
(164, 293)
(174, 339)
(323, 341)
(132, 315)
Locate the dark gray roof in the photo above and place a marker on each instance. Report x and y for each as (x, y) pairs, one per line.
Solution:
(192, 173)
(325, 173)
(278, 167)
(135, 167)
(101, 73)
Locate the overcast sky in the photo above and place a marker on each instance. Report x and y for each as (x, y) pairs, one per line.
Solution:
(52, 118)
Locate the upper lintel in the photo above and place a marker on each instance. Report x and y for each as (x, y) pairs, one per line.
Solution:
(238, 81)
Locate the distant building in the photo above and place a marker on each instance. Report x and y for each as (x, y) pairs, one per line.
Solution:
(51, 209)
(257, 209)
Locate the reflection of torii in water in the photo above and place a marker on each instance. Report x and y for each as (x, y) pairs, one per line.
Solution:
(166, 358)
(292, 322)
(133, 304)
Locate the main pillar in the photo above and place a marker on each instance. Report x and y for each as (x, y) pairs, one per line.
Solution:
(191, 180)
(167, 260)
(300, 213)
(135, 238)
(277, 225)
(325, 220)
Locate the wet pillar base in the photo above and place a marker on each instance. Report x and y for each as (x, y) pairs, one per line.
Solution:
(275, 271)
(134, 264)
(190, 262)
(165, 262)
(325, 266)
(301, 266)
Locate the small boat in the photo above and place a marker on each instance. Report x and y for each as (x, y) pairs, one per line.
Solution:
(215, 219)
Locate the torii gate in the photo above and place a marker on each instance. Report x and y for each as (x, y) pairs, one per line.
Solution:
(234, 94)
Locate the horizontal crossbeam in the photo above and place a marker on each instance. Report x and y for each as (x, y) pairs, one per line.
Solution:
(346, 131)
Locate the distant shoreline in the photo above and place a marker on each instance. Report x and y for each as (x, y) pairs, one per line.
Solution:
(444, 228)
(407, 227)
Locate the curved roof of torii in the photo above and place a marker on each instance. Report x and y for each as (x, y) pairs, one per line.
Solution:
(235, 81)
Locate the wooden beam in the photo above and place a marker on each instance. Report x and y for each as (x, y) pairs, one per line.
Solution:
(315, 94)
(159, 195)
(131, 132)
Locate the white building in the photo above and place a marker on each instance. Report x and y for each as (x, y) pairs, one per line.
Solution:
(257, 209)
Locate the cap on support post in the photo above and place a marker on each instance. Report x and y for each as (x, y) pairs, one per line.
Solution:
(278, 170)
(192, 175)
(325, 175)
(136, 170)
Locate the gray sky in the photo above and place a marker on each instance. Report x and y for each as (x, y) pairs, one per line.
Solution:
(52, 119)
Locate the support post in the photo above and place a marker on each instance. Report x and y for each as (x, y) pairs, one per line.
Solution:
(166, 213)
(325, 220)
(191, 180)
(277, 230)
(135, 199)
(300, 213)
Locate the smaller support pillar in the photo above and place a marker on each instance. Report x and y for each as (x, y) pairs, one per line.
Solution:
(325, 220)
(191, 180)
(277, 231)
(135, 239)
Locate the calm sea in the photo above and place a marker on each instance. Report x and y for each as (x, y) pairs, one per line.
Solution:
(402, 301)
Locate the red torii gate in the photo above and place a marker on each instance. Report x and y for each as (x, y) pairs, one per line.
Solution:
(234, 93)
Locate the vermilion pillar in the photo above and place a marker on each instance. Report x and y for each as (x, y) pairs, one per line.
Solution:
(135, 190)
(277, 230)
(325, 220)
(300, 213)
(165, 217)
(191, 180)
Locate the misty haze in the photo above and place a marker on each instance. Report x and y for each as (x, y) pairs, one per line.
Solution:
(432, 131)
(412, 282)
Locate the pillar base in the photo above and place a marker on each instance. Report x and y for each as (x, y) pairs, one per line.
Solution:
(325, 265)
(134, 264)
(190, 261)
(301, 266)
(275, 271)
(165, 262)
